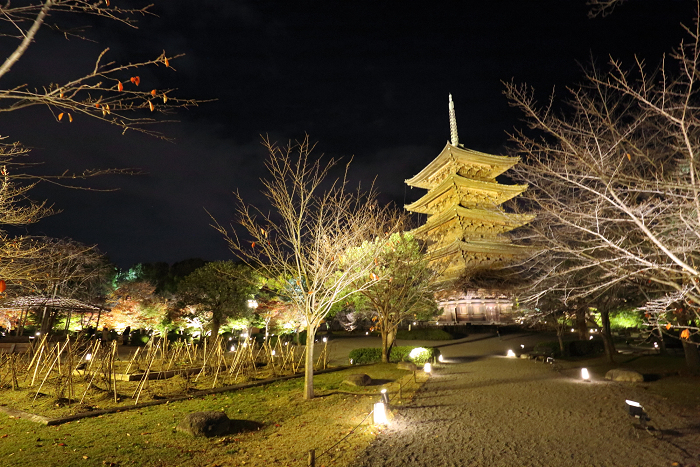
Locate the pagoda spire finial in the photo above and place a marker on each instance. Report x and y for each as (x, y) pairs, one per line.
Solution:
(453, 124)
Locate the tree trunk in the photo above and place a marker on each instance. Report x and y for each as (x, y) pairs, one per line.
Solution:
(581, 323)
(692, 356)
(385, 346)
(607, 336)
(309, 362)
(387, 343)
(560, 337)
(215, 326)
(662, 343)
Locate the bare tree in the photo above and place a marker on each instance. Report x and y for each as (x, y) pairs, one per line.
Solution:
(105, 91)
(108, 91)
(615, 179)
(306, 238)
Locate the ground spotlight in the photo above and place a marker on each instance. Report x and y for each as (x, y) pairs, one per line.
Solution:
(510, 353)
(380, 414)
(584, 374)
(635, 409)
(427, 368)
(385, 397)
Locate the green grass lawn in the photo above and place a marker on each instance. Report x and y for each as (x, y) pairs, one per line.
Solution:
(290, 427)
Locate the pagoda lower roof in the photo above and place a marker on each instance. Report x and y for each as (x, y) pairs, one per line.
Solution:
(507, 221)
(495, 248)
(499, 193)
(491, 165)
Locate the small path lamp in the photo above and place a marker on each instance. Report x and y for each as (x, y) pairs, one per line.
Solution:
(635, 409)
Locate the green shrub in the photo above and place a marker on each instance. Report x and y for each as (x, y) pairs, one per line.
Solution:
(428, 334)
(366, 355)
(397, 354)
(548, 347)
(139, 339)
(586, 347)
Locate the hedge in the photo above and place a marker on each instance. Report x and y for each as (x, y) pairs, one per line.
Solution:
(397, 354)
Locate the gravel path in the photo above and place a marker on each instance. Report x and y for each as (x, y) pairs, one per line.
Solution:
(484, 410)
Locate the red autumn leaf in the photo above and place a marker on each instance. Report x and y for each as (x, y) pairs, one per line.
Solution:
(153, 92)
(669, 326)
(120, 86)
(253, 245)
(167, 63)
(60, 116)
(685, 334)
(136, 80)
(151, 106)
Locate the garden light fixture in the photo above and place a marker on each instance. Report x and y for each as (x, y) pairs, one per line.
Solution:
(427, 368)
(380, 414)
(584, 374)
(510, 353)
(385, 398)
(635, 409)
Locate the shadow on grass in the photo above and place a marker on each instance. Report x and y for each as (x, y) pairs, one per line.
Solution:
(380, 382)
(241, 426)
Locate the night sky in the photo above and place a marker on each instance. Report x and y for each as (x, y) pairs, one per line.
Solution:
(365, 79)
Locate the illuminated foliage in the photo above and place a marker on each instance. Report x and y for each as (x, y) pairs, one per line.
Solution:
(218, 291)
(405, 291)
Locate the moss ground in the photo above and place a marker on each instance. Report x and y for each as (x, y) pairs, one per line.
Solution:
(290, 427)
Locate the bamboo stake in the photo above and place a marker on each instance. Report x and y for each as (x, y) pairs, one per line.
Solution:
(44, 380)
(131, 362)
(143, 381)
(112, 373)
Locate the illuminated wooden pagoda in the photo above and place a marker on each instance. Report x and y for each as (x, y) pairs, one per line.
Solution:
(466, 223)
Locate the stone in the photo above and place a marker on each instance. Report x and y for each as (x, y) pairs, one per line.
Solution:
(410, 366)
(628, 376)
(358, 380)
(204, 424)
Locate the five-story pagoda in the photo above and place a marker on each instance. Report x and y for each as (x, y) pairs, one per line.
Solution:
(465, 224)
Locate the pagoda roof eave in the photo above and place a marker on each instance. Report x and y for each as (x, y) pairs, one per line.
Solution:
(497, 218)
(459, 246)
(456, 180)
(498, 164)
